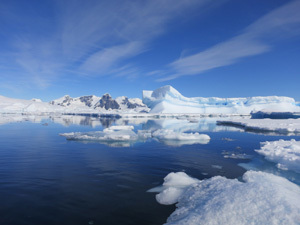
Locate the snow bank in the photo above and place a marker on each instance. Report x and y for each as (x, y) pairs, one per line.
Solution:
(285, 153)
(168, 100)
(283, 126)
(261, 198)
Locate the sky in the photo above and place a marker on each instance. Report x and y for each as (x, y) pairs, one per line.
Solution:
(225, 48)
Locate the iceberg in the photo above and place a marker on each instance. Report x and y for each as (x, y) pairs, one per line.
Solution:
(114, 133)
(168, 100)
(285, 153)
(260, 198)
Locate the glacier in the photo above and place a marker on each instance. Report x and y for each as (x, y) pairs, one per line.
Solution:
(168, 100)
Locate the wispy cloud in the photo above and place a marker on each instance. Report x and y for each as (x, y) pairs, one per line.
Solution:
(255, 39)
(87, 37)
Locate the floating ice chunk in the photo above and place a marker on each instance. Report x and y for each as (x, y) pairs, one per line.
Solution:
(285, 153)
(173, 187)
(217, 167)
(115, 133)
(261, 198)
(173, 138)
(235, 155)
(172, 135)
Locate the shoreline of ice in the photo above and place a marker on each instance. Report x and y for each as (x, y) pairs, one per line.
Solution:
(281, 126)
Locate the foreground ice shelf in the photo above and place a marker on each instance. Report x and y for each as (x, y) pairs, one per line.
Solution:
(261, 198)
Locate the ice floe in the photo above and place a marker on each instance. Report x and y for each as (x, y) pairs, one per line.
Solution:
(235, 155)
(260, 198)
(114, 133)
(285, 153)
(164, 134)
(281, 126)
(126, 133)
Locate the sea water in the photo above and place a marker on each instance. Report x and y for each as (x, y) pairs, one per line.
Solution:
(46, 179)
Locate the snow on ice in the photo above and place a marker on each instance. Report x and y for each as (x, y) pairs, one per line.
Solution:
(261, 198)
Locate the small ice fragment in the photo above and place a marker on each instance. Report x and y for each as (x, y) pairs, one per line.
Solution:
(217, 167)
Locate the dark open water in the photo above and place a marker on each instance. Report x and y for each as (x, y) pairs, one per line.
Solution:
(45, 179)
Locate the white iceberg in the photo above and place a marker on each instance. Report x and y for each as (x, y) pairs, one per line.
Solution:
(173, 187)
(285, 153)
(282, 126)
(168, 100)
(165, 134)
(261, 198)
(114, 133)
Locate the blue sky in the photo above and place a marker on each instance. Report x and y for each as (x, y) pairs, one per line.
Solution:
(226, 48)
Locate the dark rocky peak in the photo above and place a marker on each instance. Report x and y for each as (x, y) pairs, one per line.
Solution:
(129, 104)
(87, 100)
(107, 102)
(66, 100)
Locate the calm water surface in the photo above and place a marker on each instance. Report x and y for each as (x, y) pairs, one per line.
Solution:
(45, 179)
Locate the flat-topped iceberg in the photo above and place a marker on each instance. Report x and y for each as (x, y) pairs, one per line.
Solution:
(285, 153)
(261, 198)
(168, 100)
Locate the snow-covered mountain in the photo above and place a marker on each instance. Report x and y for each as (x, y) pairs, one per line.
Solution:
(168, 100)
(101, 104)
(11, 105)
(67, 104)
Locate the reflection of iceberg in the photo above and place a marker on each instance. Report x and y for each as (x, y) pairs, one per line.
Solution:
(178, 125)
(259, 199)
